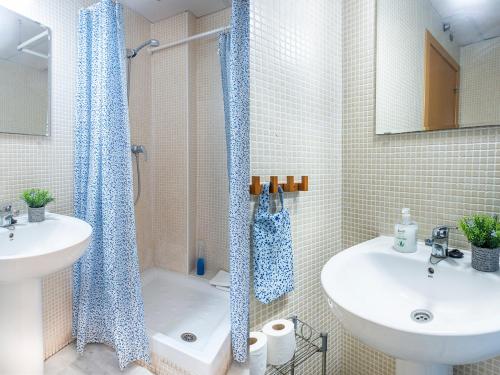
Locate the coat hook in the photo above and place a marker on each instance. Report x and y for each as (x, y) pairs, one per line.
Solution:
(274, 184)
(255, 188)
(304, 183)
(289, 186)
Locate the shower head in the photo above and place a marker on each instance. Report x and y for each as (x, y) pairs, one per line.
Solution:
(131, 53)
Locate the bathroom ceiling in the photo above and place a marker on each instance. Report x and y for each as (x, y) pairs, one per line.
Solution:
(471, 20)
(156, 10)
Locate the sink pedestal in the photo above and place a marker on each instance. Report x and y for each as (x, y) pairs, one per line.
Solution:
(21, 331)
(28, 253)
(415, 368)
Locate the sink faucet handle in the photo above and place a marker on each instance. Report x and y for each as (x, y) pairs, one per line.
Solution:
(442, 231)
(7, 208)
(439, 241)
(7, 215)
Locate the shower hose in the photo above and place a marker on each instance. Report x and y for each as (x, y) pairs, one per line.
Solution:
(138, 169)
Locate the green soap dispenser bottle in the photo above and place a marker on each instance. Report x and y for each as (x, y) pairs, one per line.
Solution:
(405, 234)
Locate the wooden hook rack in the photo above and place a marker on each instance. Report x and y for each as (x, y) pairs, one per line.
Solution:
(289, 186)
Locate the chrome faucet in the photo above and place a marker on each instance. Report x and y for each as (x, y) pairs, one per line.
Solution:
(439, 241)
(7, 216)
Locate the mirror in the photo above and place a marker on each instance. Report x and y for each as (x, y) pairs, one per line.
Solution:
(25, 51)
(438, 65)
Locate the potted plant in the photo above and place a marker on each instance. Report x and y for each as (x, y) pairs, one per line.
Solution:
(36, 199)
(483, 232)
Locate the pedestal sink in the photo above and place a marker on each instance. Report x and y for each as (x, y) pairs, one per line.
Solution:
(27, 253)
(428, 316)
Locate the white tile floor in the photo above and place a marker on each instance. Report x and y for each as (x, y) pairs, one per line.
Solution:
(100, 359)
(238, 370)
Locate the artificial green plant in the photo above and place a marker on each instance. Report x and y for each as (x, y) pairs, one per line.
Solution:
(36, 198)
(481, 230)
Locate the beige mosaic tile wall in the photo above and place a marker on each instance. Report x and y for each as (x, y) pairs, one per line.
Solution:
(192, 146)
(23, 98)
(190, 178)
(440, 175)
(170, 155)
(296, 119)
(212, 192)
(189, 153)
(137, 30)
(27, 161)
(479, 82)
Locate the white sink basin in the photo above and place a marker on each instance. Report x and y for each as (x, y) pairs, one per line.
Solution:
(28, 252)
(373, 291)
(34, 250)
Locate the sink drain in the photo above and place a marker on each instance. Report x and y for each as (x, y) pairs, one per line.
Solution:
(189, 337)
(421, 316)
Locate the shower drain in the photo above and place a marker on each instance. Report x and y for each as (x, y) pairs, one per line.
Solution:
(188, 337)
(422, 316)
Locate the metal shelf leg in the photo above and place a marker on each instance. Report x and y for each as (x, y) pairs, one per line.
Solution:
(324, 348)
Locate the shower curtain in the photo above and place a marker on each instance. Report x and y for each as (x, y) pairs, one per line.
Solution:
(107, 300)
(234, 59)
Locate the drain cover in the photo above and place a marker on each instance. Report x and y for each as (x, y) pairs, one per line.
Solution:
(422, 316)
(189, 337)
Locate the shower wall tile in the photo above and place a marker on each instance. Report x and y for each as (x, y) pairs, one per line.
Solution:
(47, 162)
(212, 185)
(440, 176)
(137, 30)
(192, 144)
(296, 129)
(189, 152)
(170, 156)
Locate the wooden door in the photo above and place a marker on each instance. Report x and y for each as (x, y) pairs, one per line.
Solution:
(442, 79)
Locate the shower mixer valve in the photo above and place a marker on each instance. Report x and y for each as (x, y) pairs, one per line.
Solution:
(139, 149)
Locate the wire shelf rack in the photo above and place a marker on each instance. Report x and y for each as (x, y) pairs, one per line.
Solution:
(309, 342)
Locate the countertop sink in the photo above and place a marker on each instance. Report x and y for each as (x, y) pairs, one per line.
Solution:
(430, 316)
(29, 251)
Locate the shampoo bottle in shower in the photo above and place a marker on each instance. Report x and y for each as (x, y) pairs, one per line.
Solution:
(405, 234)
(200, 262)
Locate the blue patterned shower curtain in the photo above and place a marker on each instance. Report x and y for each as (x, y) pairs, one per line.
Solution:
(107, 300)
(234, 59)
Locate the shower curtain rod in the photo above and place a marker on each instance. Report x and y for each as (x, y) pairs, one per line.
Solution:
(190, 39)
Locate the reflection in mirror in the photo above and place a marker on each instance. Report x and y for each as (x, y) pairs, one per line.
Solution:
(24, 75)
(438, 64)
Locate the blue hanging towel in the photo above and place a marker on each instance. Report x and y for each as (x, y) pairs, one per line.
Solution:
(272, 246)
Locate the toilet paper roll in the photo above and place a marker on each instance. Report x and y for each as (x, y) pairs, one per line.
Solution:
(280, 341)
(258, 353)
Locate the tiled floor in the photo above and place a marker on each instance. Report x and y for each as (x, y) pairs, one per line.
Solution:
(238, 370)
(99, 359)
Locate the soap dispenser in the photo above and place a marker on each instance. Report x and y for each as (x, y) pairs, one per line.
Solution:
(200, 262)
(405, 234)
